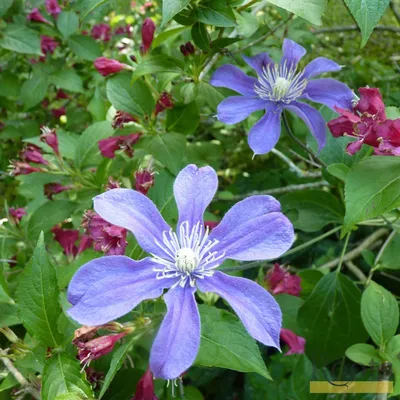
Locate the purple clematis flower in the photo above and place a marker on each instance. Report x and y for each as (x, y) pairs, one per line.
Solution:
(278, 87)
(107, 288)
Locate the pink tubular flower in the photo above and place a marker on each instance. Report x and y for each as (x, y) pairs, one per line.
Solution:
(53, 8)
(61, 94)
(33, 154)
(362, 122)
(296, 343)
(58, 112)
(107, 238)
(23, 168)
(107, 66)
(17, 213)
(145, 387)
(48, 44)
(97, 348)
(144, 180)
(67, 239)
(164, 102)
(121, 118)
(50, 189)
(148, 29)
(109, 146)
(112, 184)
(49, 136)
(281, 281)
(101, 32)
(389, 138)
(36, 16)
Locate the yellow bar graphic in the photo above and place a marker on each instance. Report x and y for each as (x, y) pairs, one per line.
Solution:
(351, 387)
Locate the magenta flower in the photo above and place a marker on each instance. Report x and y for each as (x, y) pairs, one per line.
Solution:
(296, 343)
(280, 281)
(59, 112)
(148, 29)
(145, 387)
(101, 32)
(107, 66)
(23, 168)
(121, 118)
(187, 49)
(53, 8)
(109, 146)
(17, 213)
(61, 94)
(389, 138)
(48, 44)
(164, 102)
(36, 16)
(49, 136)
(278, 87)
(50, 189)
(67, 239)
(109, 287)
(144, 180)
(33, 154)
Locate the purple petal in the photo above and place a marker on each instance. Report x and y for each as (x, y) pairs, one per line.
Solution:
(232, 77)
(194, 188)
(253, 229)
(106, 288)
(319, 66)
(292, 53)
(258, 62)
(264, 135)
(257, 309)
(177, 342)
(330, 92)
(133, 211)
(237, 108)
(312, 118)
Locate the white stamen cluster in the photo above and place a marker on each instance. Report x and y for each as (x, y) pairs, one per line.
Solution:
(280, 82)
(189, 255)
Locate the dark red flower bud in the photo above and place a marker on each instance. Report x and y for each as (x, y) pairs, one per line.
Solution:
(17, 213)
(49, 136)
(108, 66)
(296, 343)
(133, 58)
(23, 168)
(124, 30)
(101, 32)
(109, 146)
(145, 387)
(94, 377)
(183, 50)
(33, 154)
(121, 118)
(112, 184)
(97, 348)
(48, 44)
(53, 8)
(50, 189)
(58, 112)
(144, 180)
(280, 281)
(148, 29)
(61, 95)
(164, 102)
(66, 238)
(189, 47)
(36, 16)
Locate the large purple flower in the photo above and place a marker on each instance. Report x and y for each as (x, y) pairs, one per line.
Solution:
(278, 87)
(107, 288)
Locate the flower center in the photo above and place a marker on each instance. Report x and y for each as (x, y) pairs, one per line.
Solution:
(186, 260)
(280, 83)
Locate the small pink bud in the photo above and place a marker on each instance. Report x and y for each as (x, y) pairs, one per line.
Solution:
(101, 32)
(23, 168)
(145, 387)
(53, 8)
(61, 94)
(36, 16)
(296, 343)
(148, 29)
(144, 180)
(58, 112)
(281, 281)
(50, 189)
(121, 118)
(48, 44)
(112, 184)
(49, 136)
(164, 102)
(33, 154)
(107, 66)
(17, 213)
(109, 146)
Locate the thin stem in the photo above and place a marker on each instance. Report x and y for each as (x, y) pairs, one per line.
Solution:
(346, 242)
(288, 253)
(395, 11)
(383, 248)
(181, 389)
(349, 28)
(247, 5)
(299, 142)
(356, 271)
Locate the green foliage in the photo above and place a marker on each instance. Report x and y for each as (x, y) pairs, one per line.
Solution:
(21, 39)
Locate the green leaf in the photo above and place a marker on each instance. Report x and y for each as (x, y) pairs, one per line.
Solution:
(225, 343)
(392, 112)
(4, 6)
(34, 90)
(87, 152)
(133, 98)
(311, 210)
(10, 86)
(172, 7)
(156, 64)
(301, 377)
(209, 94)
(289, 306)
(363, 354)
(8, 315)
(117, 360)
(217, 14)
(169, 34)
(338, 170)
(67, 23)
(247, 24)
(379, 313)
(201, 36)
(393, 351)
(84, 47)
(367, 14)
(189, 92)
(330, 319)
(391, 256)
(37, 297)
(372, 188)
(311, 10)
(169, 149)
(48, 215)
(21, 39)
(183, 118)
(67, 80)
(87, 6)
(62, 377)
(309, 279)
(96, 106)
